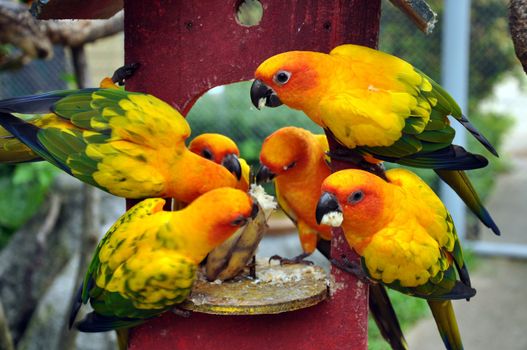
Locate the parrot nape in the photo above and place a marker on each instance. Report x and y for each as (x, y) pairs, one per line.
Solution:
(379, 107)
(405, 237)
(295, 159)
(147, 261)
(222, 150)
(126, 143)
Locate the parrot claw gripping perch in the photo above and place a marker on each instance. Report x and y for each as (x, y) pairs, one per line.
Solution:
(125, 72)
(352, 267)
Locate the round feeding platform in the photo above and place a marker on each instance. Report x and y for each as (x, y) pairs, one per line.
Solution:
(276, 289)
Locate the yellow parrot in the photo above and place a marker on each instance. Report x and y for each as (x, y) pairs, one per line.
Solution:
(379, 107)
(147, 261)
(295, 160)
(127, 143)
(405, 237)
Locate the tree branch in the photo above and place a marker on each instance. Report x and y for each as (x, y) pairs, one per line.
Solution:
(35, 38)
(518, 28)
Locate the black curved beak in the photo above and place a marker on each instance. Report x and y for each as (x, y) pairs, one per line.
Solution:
(263, 95)
(326, 204)
(254, 211)
(231, 162)
(264, 175)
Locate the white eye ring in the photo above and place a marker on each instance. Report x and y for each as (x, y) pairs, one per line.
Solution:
(282, 77)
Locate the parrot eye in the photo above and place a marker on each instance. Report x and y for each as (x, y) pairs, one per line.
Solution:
(207, 154)
(282, 77)
(239, 221)
(289, 166)
(356, 197)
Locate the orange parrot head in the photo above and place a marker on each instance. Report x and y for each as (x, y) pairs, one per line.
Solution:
(353, 199)
(218, 148)
(282, 151)
(223, 211)
(294, 78)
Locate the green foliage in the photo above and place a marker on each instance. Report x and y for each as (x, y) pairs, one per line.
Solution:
(23, 187)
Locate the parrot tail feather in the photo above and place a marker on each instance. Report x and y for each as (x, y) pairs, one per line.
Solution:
(445, 318)
(384, 315)
(460, 183)
(75, 307)
(28, 134)
(482, 139)
(93, 323)
(122, 338)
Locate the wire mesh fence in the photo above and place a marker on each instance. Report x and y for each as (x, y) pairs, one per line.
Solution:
(37, 76)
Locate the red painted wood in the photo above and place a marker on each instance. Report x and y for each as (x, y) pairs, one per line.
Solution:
(188, 47)
(78, 9)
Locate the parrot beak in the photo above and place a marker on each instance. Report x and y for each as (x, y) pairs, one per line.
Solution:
(254, 211)
(328, 210)
(264, 175)
(231, 162)
(262, 95)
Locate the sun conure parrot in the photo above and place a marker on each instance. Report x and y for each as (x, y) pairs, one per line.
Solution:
(379, 107)
(127, 143)
(295, 159)
(222, 150)
(147, 261)
(405, 237)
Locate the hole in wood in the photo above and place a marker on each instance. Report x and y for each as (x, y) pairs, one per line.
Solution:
(249, 13)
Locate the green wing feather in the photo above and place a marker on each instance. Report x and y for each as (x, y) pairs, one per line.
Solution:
(144, 208)
(421, 140)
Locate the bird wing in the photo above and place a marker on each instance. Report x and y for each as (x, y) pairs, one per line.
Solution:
(419, 252)
(144, 285)
(426, 127)
(106, 137)
(111, 250)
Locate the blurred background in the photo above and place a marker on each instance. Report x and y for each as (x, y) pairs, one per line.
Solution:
(41, 210)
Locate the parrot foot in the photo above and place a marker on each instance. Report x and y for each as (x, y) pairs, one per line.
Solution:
(351, 267)
(125, 72)
(359, 162)
(300, 259)
(180, 312)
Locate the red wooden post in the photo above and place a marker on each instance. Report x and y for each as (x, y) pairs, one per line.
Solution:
(188, 47)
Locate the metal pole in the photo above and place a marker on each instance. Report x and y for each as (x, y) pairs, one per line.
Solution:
(454, 75)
